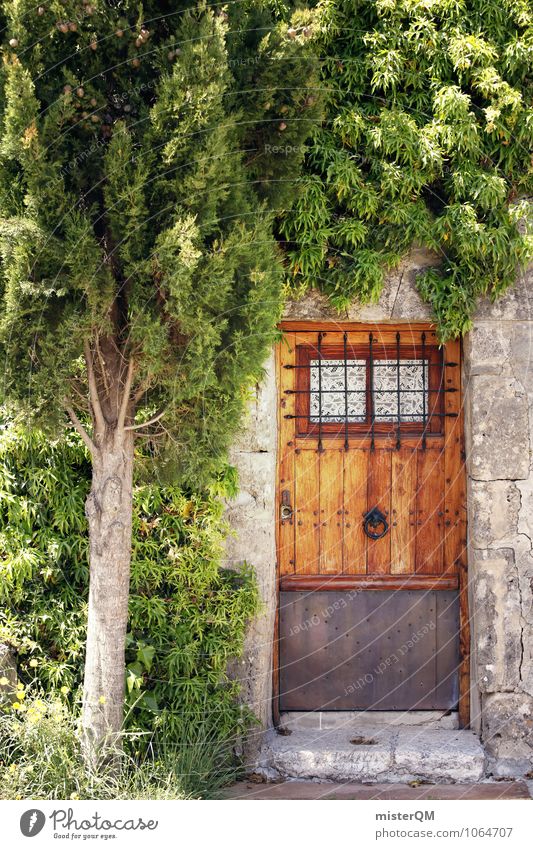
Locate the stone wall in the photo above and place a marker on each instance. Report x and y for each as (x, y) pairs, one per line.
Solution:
(498, 373)
(252, 519)
(498, 397)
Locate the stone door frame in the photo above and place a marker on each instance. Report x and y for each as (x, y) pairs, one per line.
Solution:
(498, 403)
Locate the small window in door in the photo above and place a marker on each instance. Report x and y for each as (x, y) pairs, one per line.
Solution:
(337, 390)
(400, 390)
(376, 389)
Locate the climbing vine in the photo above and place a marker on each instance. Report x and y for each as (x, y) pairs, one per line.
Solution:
(426, 140)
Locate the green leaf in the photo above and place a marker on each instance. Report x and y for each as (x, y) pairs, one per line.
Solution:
(145, 656)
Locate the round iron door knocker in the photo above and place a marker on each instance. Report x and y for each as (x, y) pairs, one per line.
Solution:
(375, 524)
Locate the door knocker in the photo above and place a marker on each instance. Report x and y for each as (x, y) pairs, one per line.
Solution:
(375, 524)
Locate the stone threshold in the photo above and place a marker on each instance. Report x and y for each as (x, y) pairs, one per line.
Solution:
(383, 754)
(318, 720)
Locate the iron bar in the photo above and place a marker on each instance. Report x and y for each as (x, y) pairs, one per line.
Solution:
(371, 365)
(393, 416)
(320, 392)
(398, 399)
(364, 391)
(424, 391)
(402, 365)
(345, 340)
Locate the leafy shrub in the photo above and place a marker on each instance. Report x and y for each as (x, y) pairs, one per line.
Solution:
(426, 140)
(41, 758)
(187, 614)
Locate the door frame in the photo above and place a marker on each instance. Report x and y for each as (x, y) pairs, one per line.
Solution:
(464, 619)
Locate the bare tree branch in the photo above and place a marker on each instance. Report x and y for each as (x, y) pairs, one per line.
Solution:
(93, 389)
(145, 385)
(157, 435)
(125, 396)
(141, 425)
(79, 427)
(102, 365)
(82, 400)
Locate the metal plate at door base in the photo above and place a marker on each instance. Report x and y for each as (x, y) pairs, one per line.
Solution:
(371, 650)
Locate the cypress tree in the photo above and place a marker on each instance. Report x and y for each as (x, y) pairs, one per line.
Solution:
(140, 279)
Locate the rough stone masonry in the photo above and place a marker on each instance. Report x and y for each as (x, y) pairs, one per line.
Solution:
(498, 398)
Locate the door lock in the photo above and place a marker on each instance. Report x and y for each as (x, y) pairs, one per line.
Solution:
(286, 509)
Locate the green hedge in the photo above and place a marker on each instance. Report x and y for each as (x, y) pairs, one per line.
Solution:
(187, 614)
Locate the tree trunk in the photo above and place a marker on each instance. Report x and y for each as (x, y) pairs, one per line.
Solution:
(109, 514)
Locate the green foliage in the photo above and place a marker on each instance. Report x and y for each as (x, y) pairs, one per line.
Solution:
(187, 614)
(41, 758)
(136, 193)
(427, 139)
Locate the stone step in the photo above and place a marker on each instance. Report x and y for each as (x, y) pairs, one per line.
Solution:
(384, 754)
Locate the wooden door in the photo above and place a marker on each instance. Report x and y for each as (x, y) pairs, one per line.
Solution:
(372, 520)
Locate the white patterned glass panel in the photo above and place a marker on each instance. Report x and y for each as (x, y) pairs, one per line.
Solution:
(333, 378)
(413, 390)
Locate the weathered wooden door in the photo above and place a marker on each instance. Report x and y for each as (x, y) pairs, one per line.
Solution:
(372, 520)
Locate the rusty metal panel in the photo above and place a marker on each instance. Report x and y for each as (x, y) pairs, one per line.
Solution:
(371, 650)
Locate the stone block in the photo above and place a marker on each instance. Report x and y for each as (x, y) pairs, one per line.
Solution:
(499, 421)
(399, 299)
(508, 732)
(439, 755)
(487, 348)
(408, 305)
(326, 756)
(255, 500)
(525, 578)
(251, 516)
(388, 754)
(494, 509)
(495, 612)
(516, 303)
(260, 427)
(525, 573)
(296, 720)
(525, 515)
(521, 352)
(314, 306)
